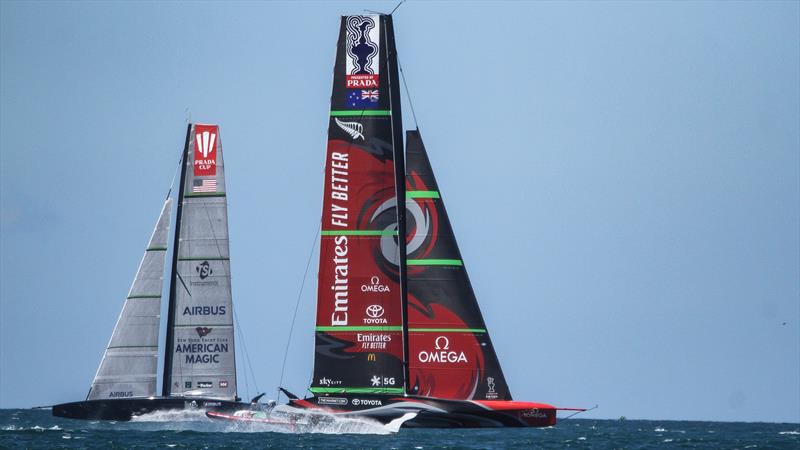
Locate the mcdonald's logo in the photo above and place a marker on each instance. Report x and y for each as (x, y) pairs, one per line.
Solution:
(371, 357)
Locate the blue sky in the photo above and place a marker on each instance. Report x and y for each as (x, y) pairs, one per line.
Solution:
(623, 179)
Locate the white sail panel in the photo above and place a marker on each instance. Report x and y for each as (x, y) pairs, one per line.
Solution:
(128, 368)
(203, 355)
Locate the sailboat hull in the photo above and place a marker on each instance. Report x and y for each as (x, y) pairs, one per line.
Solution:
(435, 412)
(125, 409)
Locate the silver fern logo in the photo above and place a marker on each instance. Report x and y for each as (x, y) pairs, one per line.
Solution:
(354, 129)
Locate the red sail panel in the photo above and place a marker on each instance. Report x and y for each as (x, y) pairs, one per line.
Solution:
(359, 347)
(450, 352)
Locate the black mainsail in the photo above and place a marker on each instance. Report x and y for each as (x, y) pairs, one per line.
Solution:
(359, 331)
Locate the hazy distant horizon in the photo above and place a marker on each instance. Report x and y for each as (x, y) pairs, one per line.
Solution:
(623, 180)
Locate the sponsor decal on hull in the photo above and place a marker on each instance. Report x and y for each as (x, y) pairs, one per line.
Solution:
(332, 401)
(366, 402)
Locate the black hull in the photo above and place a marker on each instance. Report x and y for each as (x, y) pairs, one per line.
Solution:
(434, 412)
(125, 409)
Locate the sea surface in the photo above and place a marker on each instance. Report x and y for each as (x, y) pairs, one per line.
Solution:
(36, 428)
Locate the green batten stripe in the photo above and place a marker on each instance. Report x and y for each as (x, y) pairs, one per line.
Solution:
(204, 258)
(434, 262)
(422, 194)
(375, 112)
(204, 194)
(156, 249)
(355, 390)
(447, 330)
(133, 346)
(145, 296)
(356, 328)
(358, 232)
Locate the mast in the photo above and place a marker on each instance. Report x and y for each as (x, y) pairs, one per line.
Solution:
(400, 184)
(166, 387)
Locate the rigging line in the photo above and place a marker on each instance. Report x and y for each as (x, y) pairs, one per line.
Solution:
(398, 5)
(408, 94)
(177, 169)
(246, 356)
(235, 316)
(297, 305)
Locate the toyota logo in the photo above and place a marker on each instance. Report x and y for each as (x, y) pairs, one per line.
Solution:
(375, 311)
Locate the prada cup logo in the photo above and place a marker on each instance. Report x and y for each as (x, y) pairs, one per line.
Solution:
(375, 311)
(204, 270)
(205, 142)
(205, 153)
(203, 331)
(354, 129)
(442, 343)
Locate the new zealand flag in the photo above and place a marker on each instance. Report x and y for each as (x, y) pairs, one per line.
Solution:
(362, 98)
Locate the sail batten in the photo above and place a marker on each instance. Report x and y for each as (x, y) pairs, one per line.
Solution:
(125, 372)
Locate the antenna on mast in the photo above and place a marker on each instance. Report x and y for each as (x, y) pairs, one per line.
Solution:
(378, 12)
(398, 5)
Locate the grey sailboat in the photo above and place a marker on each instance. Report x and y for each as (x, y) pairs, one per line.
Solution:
(199, 353)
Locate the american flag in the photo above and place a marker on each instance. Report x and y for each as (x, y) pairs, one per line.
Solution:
(204, 185)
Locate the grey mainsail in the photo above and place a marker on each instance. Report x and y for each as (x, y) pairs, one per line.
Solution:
(128, 367)
(200, 349)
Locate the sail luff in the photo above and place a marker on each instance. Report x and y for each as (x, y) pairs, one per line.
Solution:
(129, 364)
(169, 342)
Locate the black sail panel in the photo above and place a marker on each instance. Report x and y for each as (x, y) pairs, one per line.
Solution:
(450, 352)
(359, 346)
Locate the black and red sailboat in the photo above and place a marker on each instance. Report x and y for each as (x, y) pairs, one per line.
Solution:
(398, 327)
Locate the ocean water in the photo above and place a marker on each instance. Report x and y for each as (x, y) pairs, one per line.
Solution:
(26, 428)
